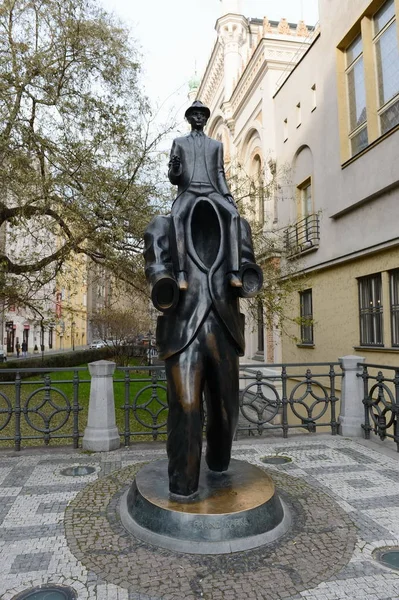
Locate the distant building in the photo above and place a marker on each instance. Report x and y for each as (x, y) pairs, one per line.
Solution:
(70, 304)
(20, 324)
(106, 292)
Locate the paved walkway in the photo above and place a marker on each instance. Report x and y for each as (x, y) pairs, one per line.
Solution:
(61, 530)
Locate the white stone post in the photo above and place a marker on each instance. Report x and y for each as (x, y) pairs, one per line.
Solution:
(352, 408)
(101, 433)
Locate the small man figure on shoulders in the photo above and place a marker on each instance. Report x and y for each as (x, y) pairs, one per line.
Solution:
(196, 167)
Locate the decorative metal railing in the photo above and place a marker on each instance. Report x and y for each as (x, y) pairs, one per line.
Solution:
(145, 407)
(272, 397)
(381, 402)
(43, 409)
(44, 405)
(303, 236)
(289, 396)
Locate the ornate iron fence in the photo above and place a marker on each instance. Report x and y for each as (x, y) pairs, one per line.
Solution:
(145, 404)
(381, 402)
(289, 396)
(42, 409)
(272, 397)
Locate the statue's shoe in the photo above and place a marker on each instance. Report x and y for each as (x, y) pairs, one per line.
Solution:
(234, 280)
(182, 281)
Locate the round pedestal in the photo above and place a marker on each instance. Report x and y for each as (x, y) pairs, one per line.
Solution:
(234, 511)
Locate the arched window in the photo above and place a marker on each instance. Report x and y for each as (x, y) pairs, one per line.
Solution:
(303, 180)
(257, 189)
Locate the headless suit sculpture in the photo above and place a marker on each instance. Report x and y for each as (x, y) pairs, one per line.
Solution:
(199, 261)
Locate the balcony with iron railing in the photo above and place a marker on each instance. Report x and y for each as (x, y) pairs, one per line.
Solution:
(303, 236)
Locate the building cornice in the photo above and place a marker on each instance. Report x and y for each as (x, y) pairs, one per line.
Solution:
(375, 196)
(270, 53)
(212, 76)
(347, 258)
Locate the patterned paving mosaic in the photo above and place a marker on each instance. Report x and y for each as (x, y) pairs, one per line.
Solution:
(62, 530)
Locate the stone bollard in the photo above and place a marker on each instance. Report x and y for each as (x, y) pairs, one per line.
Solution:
(352, 408)
(101, 433)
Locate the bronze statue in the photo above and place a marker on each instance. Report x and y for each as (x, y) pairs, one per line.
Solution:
(199, 261)
(196, 166)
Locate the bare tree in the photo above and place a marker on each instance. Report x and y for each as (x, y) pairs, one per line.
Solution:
(119, 327)
(282, 276)
(78, 168)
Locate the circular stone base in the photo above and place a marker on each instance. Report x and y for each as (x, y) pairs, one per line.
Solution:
(234, 511)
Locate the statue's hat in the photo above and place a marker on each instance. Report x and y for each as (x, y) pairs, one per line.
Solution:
(197, 105)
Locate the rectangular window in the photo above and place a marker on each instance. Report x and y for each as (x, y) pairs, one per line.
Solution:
(306, 317)
(368, 78)
(285, 129)
(314, 98)
(356, 96)
(394, 286)
(387, 65)
(305, 196)
(298, 114)
(261, 328)
(370, 310)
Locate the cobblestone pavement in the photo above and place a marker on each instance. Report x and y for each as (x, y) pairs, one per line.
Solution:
(62, 530)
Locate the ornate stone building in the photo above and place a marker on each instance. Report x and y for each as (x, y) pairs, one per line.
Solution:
(250, 59)
(321, 106)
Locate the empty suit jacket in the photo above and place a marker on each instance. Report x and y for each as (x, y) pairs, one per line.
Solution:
(185, 149)
(208, 289)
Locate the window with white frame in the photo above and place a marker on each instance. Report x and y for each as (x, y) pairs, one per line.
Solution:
(370, 310)
(305, 192)
(387, 65)
(356, 96)
(394, 289)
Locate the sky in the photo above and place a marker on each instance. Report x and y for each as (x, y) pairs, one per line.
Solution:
(176, 38)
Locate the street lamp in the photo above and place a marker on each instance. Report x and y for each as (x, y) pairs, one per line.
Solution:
(73, 334)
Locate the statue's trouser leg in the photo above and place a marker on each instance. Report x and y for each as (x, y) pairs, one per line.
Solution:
(222, 398)
(230, 216)
(179, 242)
(185, 376)
(234, 259)
(232, 219)
(210, 358)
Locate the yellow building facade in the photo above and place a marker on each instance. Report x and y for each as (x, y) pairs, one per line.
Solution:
(70, 309)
